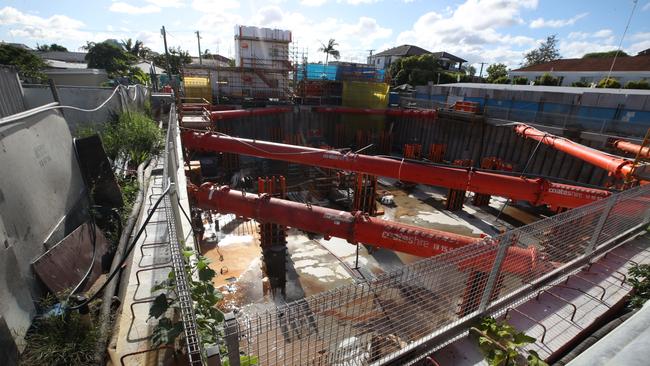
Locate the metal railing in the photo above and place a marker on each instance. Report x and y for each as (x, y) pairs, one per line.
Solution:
(194, 347)
(403, 315)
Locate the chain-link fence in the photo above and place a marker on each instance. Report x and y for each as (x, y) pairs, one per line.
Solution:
(402, 315)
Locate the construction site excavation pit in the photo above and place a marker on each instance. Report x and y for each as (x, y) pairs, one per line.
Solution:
(291, 201)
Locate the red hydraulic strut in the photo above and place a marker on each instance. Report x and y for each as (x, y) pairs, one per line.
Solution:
(537, 191)
(618, 167)
(643, 152)
(354, 227)
(392, 112)
(239, 113)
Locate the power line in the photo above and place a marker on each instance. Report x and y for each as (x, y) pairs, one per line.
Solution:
(609, 73)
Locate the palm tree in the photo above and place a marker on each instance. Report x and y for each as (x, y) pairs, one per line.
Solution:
(131, 47)
(329, 50)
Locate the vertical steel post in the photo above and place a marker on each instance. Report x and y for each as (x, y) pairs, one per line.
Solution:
(504, 244)
(232, 339)
(600, 224)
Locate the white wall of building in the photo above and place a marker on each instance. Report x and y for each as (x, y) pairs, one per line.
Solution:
(570, 77)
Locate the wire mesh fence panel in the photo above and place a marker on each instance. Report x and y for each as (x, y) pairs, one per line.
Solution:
(371, 322)
(364, 323)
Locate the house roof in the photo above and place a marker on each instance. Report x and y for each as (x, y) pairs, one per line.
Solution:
(630, 63)
(19, 45)
(403, 50)
(448, 55)
(63, 56)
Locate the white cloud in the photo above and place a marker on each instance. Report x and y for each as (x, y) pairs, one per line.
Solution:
(577, 49)
(167, 3)
(470, 31)
(358, 2)
(556, 23)
(121, 7)
(214, 6)
(646, 6)
(313, 2)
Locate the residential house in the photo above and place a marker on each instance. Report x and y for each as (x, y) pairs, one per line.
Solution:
(384, 59)
(589, 70)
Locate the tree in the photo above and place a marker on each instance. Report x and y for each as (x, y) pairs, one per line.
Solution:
(608, 83)
(496, 71)
(611, 53)
(28, 64)
(51, 47)
(109, 57)
(137, 48)
(469, 70)
(330, 50)
(416, 70)
(546, 52)
(177, 60)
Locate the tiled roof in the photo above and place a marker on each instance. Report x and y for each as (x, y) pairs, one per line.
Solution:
(403, 50)
(629, 63)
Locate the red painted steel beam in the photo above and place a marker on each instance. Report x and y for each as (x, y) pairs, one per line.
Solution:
(240, 113)
(354, 227)
(618, 167)
(392, 112)
(536, 191)
(632, 148)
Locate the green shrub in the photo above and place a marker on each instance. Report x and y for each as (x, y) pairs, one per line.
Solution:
(608, 83)
(641, 84)
(548, 79)
(520, 80)
(135, 134)
(501, 80)
(581, 84)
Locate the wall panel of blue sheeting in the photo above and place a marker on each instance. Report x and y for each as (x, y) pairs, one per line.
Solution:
(590, 118)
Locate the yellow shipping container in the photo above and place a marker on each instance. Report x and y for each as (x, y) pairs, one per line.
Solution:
(198, 87)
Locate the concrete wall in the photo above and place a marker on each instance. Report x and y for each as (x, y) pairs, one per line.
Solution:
(11, 93)
(132, 97)
(41, 195)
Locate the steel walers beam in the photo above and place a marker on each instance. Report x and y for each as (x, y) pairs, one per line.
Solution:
(537, 191)
(632, 148)
(355, 227)
(240, 113)
(391, 112)
(616, 166)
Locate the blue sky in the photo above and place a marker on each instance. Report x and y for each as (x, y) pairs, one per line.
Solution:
(477, 30)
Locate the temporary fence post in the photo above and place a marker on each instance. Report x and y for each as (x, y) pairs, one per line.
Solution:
(600, 224)
(232, 339)
(504, 244)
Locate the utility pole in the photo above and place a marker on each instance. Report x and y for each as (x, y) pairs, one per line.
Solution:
(164, 34)
(480, 74)
(370, 55)
(198, 40)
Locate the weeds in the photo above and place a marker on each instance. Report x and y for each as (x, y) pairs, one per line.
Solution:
(135, 134)
(60, 339)
(640, 281)
(132, 133)
(500, 342)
